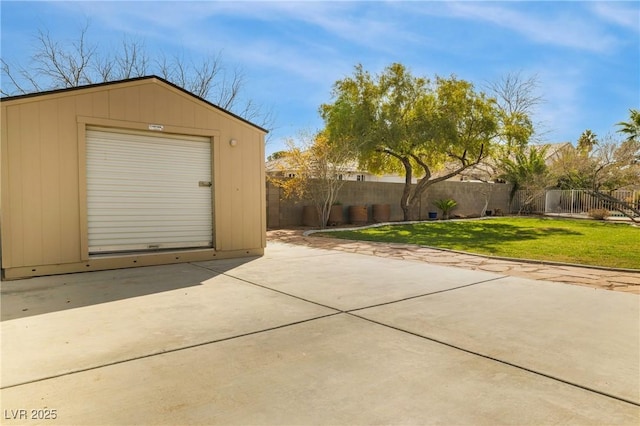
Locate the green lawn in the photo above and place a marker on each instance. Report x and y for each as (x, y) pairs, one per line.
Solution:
(585, 242)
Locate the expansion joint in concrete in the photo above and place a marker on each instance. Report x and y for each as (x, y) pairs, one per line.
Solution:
(501, 361)
(168, 351)
(425, 294)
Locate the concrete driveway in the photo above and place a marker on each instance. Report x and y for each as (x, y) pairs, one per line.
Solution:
(310, 336)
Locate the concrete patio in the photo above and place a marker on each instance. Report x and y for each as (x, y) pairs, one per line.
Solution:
(306, 335)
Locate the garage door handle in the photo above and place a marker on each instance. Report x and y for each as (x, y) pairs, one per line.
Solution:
(204, 183)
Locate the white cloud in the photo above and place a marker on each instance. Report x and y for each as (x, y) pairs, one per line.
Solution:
(623, 14)
(350, 21)
(561, 29)
(206, 28)
(293, 51)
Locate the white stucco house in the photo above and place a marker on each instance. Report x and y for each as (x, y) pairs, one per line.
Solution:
(351, 172)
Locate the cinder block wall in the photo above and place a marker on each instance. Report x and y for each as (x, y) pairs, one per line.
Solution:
(470, 197)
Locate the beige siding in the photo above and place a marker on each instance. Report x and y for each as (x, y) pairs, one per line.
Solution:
(31, 197)
(239, 177)
(44, 176)
(69, 181)
(51, 185)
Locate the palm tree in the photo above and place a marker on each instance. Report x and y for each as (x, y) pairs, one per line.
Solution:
(587, 141)
(528, 172)
(632, 127)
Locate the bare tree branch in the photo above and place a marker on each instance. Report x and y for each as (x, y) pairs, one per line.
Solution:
(228, 90)
(132, 61)
(6, 70)
(64, 68)
(56, 64)
(516, 94)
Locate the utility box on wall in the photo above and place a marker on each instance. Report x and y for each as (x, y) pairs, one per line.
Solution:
(129, 173)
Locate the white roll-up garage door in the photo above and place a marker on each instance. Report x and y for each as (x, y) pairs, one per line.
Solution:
(148, 192)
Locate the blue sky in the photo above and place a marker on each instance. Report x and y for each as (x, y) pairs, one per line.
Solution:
(586, 55)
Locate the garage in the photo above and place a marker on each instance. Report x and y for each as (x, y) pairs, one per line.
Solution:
(139, 200)
(123, 174)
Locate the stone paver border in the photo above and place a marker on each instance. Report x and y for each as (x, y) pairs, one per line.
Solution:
(610, 279)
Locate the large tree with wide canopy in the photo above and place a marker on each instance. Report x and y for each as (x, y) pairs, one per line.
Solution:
(432, 130)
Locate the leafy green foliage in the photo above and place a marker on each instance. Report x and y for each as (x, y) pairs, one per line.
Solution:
(631, 128)
(277, 155)
(445, 204)
(416, 126)
(587, 141)
(526, 170)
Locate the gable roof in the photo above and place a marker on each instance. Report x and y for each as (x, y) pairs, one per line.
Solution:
(129, 80)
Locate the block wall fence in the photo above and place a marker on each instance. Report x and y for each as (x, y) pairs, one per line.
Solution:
(470, 196)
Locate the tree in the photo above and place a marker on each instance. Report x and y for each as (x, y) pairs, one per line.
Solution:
(58, 65)
(631, 128)
(611, 165)
(517, 100)
(527, 172)
(319, 167)
(413, 125)
(277, 155)
(573, 168)
(587, 141)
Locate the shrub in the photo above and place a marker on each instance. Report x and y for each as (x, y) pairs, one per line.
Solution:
(446, 205)
(599, 214)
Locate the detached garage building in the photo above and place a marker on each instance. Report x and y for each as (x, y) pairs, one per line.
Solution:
(129, 173)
